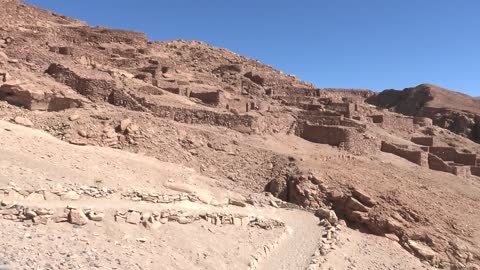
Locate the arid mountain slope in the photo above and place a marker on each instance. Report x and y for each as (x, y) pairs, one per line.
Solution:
(205, 138)
(452, 110)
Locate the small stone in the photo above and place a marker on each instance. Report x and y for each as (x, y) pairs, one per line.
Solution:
(163, 220)
(41, 220)
(23, 121)
(35, 197)
(77, 217)
(3, 55)
(154, 225)
(142, 240)
(94, 216)
(327, 214)
(42, 212)
(132, 128)
(237, 221)
(237, 203)
(355, 205)
(60, 217)
(71, 195)
(363, 197)
(392, 237)
(146, 216)
(422, 250)
(124, 124)
(10, 211)
(183, 220)
(133, 217)
(82, 133)
(273, 203)
(74, 117)
(30, 214)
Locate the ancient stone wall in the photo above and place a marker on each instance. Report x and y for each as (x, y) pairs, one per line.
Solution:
(423, 121)
(475, 170)
(331, 121)
(462, 171)
(345, 137)
(377, 119)
(297, 99)
(425, 141)
(241, 123)
(212, 98)
(398, 122)
(277, 123)
(416, 156)
(451, 154)
(104, 35)
(353, 95)
(97, 89)
(345, 109)
(437, 164)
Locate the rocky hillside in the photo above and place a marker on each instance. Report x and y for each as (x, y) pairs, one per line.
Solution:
(194, 156)
(451, 110)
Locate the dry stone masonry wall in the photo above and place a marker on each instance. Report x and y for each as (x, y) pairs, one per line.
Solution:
(445, 159)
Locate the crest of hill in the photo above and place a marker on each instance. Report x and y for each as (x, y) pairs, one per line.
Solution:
(15, 13)
(412, 101)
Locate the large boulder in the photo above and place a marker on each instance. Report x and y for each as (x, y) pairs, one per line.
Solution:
(301, 190)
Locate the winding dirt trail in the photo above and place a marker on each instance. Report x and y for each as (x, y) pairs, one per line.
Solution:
(296, 251)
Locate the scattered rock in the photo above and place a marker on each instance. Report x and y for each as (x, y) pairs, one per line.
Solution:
(74, 117)
(154, 225)
(94, 216)
(237, 203)
(30, 214)
(41, 220)
(355, 205)
(422, 250)
(71, 195)
(77, 217)
(327, 214)
(183, 220)
(392, 237)
(124, 124)
(23, 121)
(82, 133)
(363, 198)
(35, 197)
(133, 217)
(273, 203)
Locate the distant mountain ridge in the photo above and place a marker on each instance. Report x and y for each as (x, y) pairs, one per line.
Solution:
(452, 110)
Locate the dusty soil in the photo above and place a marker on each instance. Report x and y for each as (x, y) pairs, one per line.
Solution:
(218, 161)
(112, 245)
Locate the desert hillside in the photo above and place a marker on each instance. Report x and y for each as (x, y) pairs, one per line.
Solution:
(118, 152)
(451, 110)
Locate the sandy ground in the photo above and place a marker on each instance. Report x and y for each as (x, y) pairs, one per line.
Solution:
(31, 158)
(359, 251)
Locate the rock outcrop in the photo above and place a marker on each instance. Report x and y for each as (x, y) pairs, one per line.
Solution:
(451, 110)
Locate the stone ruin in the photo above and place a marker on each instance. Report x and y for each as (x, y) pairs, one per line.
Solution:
(326, 118)
(438, 158)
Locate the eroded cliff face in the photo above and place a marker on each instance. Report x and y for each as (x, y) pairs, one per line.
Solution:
(451, 110)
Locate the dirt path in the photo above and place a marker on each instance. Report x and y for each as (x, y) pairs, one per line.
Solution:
(33, 159)
(296, 251)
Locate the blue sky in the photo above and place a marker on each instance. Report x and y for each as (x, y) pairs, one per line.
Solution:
(374, 44)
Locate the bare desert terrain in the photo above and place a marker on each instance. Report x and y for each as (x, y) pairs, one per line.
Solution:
(117, 152)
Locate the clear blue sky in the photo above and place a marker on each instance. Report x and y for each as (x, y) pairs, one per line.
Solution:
(375, 44)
